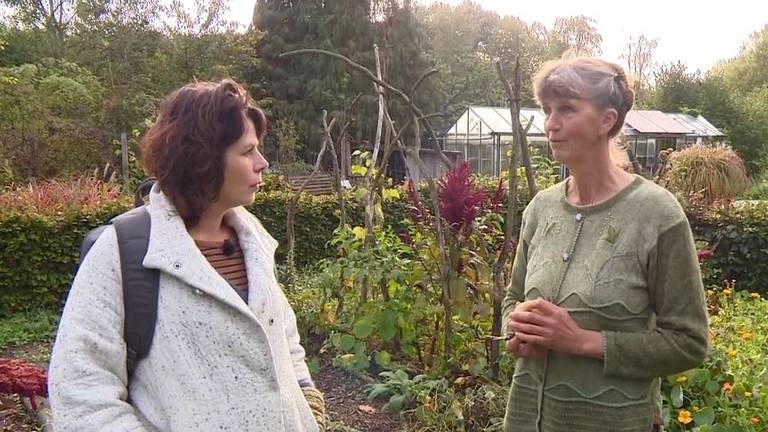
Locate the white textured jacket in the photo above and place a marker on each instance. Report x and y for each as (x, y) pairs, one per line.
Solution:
(215, 363)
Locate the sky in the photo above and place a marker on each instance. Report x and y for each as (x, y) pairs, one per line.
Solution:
(693, 32)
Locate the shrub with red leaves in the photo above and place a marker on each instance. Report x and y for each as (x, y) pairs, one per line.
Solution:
(53, 196)
(24, 379)
(461, 201)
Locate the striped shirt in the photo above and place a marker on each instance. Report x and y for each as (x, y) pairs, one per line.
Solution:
(229, 262)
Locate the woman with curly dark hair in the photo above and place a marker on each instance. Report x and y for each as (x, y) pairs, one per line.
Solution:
(225, 353)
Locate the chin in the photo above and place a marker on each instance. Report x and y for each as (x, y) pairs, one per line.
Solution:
(560, 156)
(249, 199)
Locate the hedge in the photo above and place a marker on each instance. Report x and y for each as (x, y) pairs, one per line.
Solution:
(739, 242)
(39, 252)
(39, 255)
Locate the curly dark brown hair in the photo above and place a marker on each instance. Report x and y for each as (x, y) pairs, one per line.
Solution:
(185, 147)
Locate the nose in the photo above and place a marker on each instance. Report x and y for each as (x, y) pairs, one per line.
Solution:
(260, 163)
(551, 123)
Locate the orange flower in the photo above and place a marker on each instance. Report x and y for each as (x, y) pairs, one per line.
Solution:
(727, 387)
(755, 420)
(684, 417)
(746, 335)
(727, 291)
(754, 295)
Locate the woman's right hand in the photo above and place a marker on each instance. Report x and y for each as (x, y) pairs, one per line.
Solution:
(522, 349)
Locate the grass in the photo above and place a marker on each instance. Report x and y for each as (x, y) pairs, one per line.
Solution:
(34, 326)
(715, 172)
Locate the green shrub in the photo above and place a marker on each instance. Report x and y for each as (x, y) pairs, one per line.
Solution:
(738, 238)
(758, 191)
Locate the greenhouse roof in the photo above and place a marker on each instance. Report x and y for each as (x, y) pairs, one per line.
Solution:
(485, 121)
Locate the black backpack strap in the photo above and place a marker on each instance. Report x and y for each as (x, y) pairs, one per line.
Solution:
(142, 191)
(140, 285)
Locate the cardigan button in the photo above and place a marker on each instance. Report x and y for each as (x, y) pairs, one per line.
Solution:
(579, 217)
(177, 265)
(566, 257)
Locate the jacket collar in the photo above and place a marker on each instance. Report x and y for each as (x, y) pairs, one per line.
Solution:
(172, 250)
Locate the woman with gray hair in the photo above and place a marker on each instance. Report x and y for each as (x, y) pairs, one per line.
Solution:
(606, 294)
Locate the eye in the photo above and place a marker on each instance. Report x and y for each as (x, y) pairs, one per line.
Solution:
(250, 151)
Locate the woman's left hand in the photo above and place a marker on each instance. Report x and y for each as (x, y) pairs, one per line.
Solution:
(546, 324)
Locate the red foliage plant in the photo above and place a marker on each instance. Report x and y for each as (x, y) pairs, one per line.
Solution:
(24, 379)
(461, 201)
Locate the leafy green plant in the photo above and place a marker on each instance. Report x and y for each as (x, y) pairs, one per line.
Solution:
(729, 391)
(398, 387)
(758, 190)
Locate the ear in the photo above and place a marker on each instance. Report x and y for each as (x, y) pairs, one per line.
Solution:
(608, 120)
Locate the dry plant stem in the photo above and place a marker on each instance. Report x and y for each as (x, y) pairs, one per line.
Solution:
(513, 96)
(291, 213)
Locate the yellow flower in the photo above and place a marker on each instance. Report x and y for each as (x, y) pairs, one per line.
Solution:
(684, 417)
(746, 335)
(748, 394)
(727, 291)
(754, 295)
(710, 292)
(695, 409)
(682, 379)
(359, 232)
(727, 387)
(732, 353)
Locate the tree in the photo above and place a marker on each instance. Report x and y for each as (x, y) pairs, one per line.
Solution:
(578, 35)
(459, 40)
(742, 82)
(53, 16)
(639, 57)
(301, 87)
(749, 69)
(464, 41)
(675, 88)
(49, 115)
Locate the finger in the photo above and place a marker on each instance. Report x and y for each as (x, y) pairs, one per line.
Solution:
(530, 329)
(510, 328)
(529, 318)
(532, 339)
(513, 345)
(530, 305)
